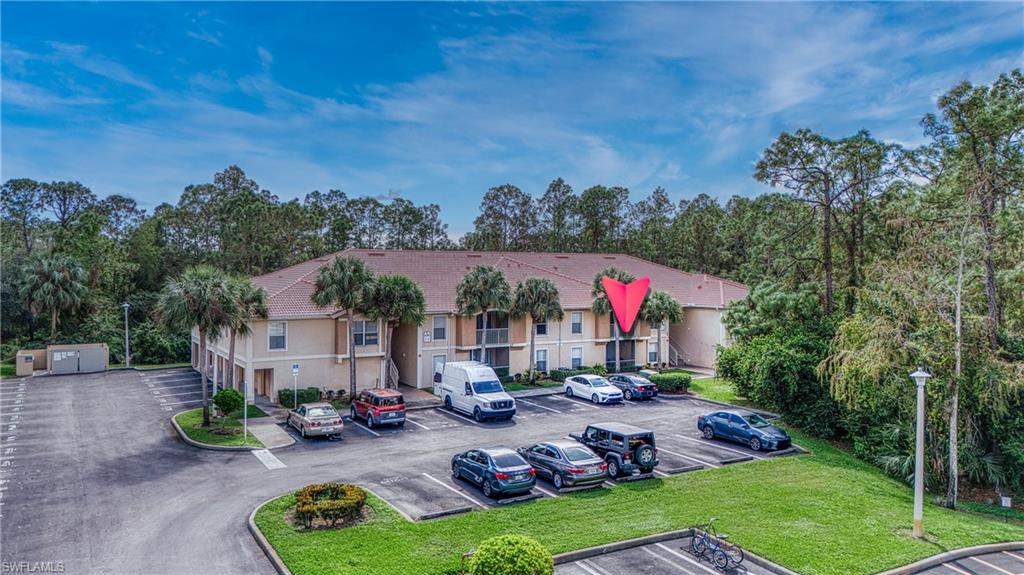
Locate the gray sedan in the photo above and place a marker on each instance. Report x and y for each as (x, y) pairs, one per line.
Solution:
(566, 463)
(316, 419)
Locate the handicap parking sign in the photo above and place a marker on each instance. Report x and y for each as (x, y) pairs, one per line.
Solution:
(295, 369)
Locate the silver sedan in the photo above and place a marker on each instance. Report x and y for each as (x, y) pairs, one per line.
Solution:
(316, 419)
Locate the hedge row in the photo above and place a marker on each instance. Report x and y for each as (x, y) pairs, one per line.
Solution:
(306, 395)
(328, 504)
(671, 382)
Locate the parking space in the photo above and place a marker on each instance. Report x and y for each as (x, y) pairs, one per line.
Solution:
(175, 389)
(1001, 563)
(667, 558)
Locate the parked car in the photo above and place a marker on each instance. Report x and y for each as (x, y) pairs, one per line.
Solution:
(379, 407)
(592, 387)
(497, 470)
(625, 448)
(634, 386)
(316, 419)
(473, 388)
(566, 463)
(745, 427)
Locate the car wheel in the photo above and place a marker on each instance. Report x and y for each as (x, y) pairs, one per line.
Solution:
(558, 481)
(755, 444)
(488, 490)
(594, 398)
(644, 455)
(709, 432)
(628, 394)
(613, 468)
(302, 430)
(370, 422)
(478, 415)
(455, 471)
(568, 391)
(447, 402)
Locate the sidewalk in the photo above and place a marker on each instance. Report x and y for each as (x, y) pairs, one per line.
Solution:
(269, 433)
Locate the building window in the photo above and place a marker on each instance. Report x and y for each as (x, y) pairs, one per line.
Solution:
(652, 352)
(541, 327)
(577, 322)
(366, 332)
(278, 336)
(440, 327)
(577, 357)
(542, 360)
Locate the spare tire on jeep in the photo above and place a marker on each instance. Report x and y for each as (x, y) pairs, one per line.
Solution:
(644, 456)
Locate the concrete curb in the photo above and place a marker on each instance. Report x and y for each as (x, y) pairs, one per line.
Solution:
(265, 545)
(936, 560)
(199, 444)
(589, 552)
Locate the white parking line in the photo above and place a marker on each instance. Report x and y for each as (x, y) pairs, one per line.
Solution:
(661, 473)
(416, 423)
(194, 380)
(991, 566)
(685, 558)
(666, 560)
(708, 463)
(1014, 555)
(591, 567)
(527, 402)
(717, 446)
(952, 567)
(158, 394)
(452, 412)
(267, 459)
(195, 385)
(183, 402)
(576, 401)
(453, 490)
(547, 492)
(364, 428)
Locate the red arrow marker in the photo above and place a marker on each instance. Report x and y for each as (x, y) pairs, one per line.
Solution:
(625, 299)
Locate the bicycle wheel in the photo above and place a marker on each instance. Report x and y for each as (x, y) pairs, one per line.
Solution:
(720, 559)
(734, 553)
(698, 545)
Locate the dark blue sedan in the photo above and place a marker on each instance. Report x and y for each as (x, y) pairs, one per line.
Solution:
(496, 470)
(744, 427)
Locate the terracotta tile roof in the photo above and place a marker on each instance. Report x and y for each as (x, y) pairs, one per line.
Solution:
(438, 272)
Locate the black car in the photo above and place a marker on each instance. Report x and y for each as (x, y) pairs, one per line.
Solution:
(497, 470)
(625, 448)
(634, 386)
(566, 463)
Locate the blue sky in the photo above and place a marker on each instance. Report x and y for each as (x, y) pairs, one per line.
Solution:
(441, 101)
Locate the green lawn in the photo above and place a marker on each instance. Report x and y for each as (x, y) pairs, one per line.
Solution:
(825, 513)
(516, 386)
(718, 389)
(192, 423)
(7, 370)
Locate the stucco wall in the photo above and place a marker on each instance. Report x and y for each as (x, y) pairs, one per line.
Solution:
(698, 335)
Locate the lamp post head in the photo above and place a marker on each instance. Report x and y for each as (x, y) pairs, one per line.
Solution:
(126, 305)
(920, 377)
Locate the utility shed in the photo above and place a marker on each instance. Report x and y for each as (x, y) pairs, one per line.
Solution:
(77, 358)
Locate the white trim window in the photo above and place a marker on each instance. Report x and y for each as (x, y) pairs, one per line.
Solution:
(365, 332)
(440, 328)
(652, 352)
(577, 323)
(541, 361)
(541, 328)
(277, 336)
(577, 358)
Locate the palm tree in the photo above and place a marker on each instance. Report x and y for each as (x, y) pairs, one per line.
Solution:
(482, 289)
(659, 308)
(537, 298)
(252, 304)
(202, 298)
(601, 306)
(343, 284)
(55, 285)
(394, 300)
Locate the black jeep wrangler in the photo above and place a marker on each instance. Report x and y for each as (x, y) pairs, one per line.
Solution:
(625, 448)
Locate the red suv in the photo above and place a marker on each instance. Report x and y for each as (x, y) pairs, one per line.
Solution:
(379, 407)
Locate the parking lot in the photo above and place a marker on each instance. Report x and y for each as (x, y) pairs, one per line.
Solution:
(1001, 563)
(175, 389)
(666, 558)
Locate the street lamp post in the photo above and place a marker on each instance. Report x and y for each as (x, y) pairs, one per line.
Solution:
(920, 377)
(127, 353)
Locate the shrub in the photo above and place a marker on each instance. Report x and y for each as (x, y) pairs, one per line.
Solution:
(672, 382)
(599, 369)
(511, 555)
(329, 504)
(228, 401)
(560, 374)
(307, 395)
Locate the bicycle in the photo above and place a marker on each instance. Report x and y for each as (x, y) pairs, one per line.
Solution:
(724, 555)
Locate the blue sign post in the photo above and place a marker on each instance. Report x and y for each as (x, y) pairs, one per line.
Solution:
(295, 386)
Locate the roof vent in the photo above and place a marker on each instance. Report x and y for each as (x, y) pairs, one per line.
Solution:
(562, 257)
(473, 255)
(609, 257)
(554, 268)
(375, 254)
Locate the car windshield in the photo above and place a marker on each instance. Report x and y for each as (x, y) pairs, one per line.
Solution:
(577, 453)
(487, 387)
(508, 460)
(756, 420)
(599, 382)
(322, 412)
(390, 401)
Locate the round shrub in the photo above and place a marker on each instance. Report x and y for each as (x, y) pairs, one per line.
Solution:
(672, 382)
(511, 555)
(228, 401)
(329, 504)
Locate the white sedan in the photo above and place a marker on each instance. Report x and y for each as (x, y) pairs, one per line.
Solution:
(592, 387)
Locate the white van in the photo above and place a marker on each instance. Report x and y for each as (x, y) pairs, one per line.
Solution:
(473, 388)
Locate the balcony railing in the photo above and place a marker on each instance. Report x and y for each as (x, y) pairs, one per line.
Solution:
(494, 336)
